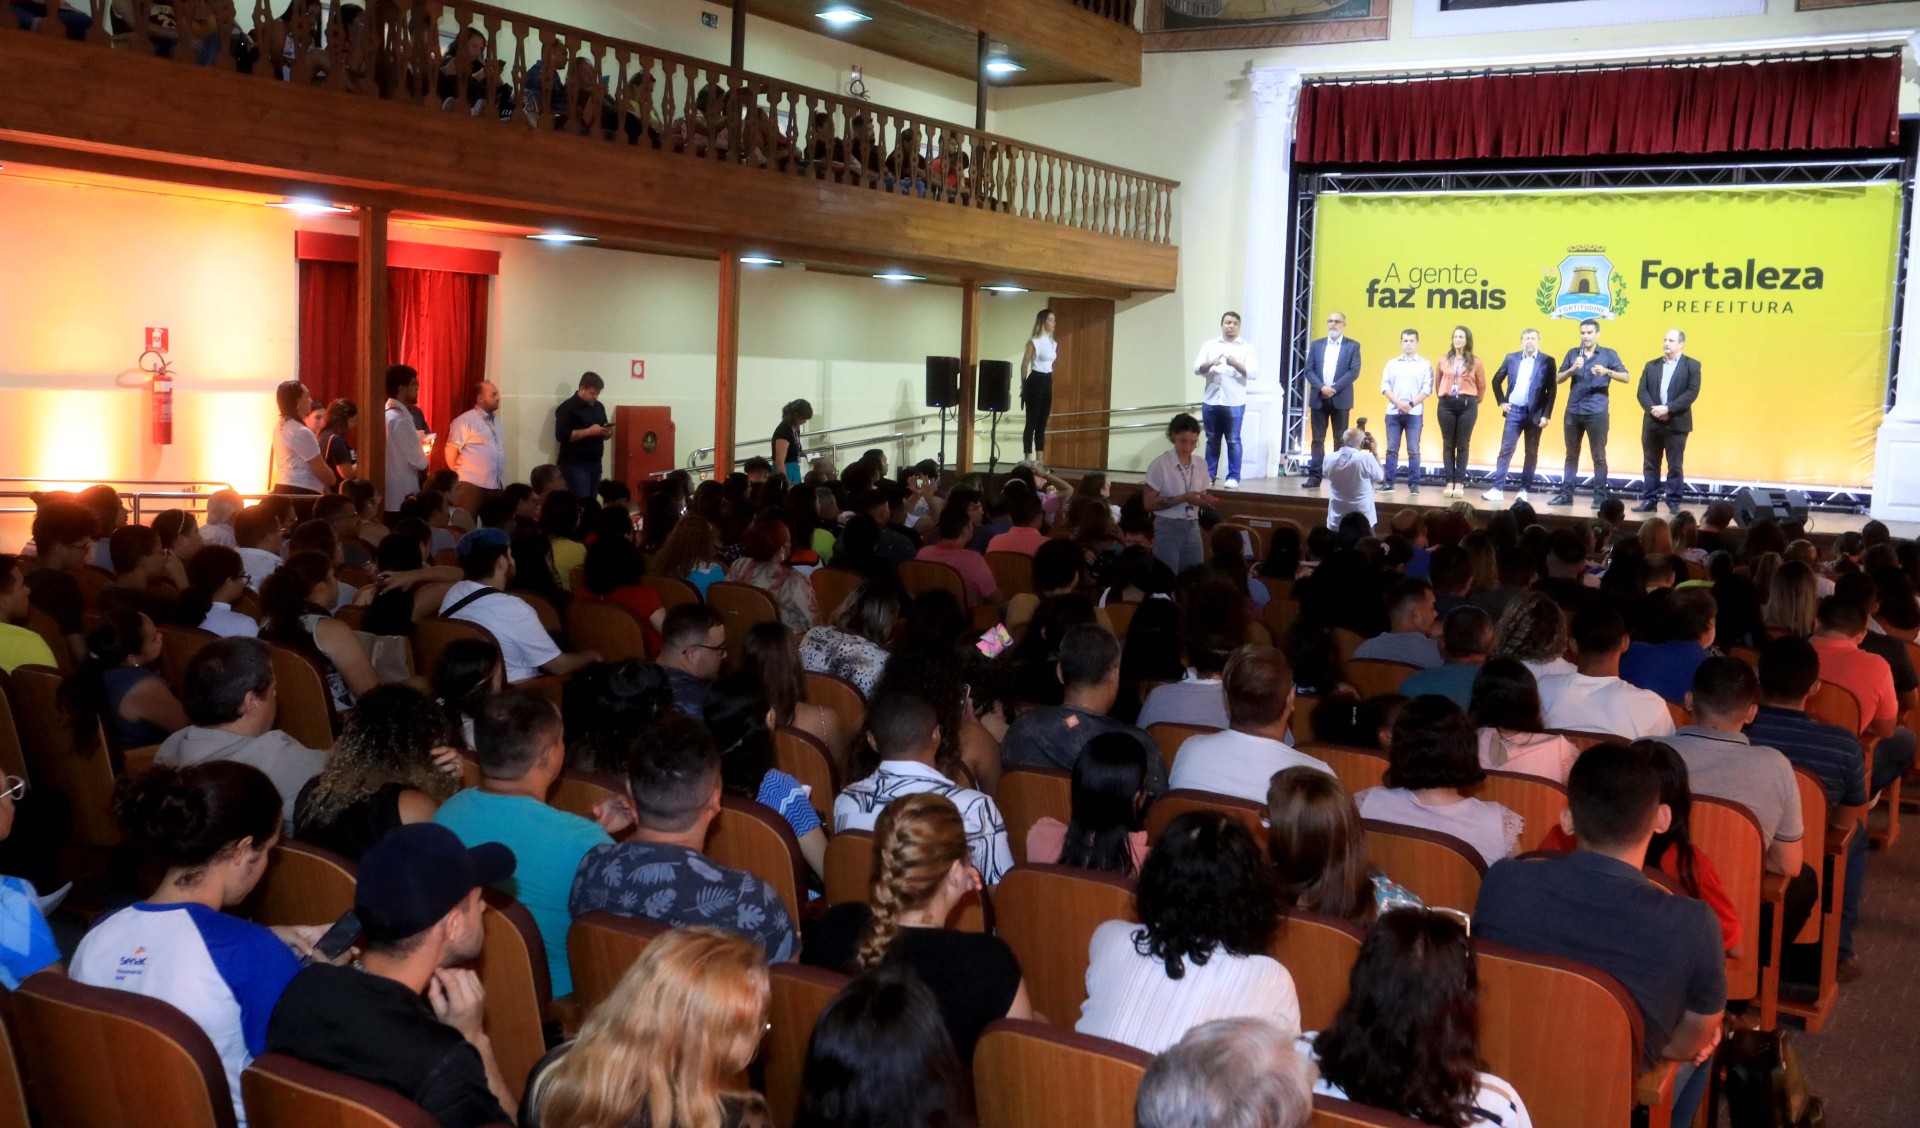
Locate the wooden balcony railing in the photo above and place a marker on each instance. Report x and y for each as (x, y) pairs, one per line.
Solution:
(1120, 11)
(521, 73)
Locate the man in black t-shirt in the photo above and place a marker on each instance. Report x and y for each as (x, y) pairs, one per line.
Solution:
(408, 1018)
(580, 427)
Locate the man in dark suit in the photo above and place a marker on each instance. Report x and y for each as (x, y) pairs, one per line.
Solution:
(1668, 387)
(1333, 364)
(1524, 387)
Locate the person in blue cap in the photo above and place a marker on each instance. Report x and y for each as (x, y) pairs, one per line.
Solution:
(408, 1017)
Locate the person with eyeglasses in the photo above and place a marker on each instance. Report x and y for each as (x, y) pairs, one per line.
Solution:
(26, 943)
(1333, 364)
(693, 644)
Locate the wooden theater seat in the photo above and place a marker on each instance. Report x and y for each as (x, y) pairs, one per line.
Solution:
(1036, 1075)
(837, 696)
(806, 758)
(1047, 915)
(306, 708)
(1537, 801)
(513, 973)
(285, 1092)
(1319, 951)
(672, 591)
(849, 877)
(1027, 795)
(831, 588)
(85, 779)
(750, 836)
(922, 576)
(1012, 573)
(1181, 800)
(608, 629)
(1439, 868)
(799, 994)
(1331, 1113)
(741, 607)
(1375, 677)
(432, 636)
(302, 884)
(1170, 735)
(1728, 833)
(1824, 924)
(178, 645)
(1357, 768)
(601, 946)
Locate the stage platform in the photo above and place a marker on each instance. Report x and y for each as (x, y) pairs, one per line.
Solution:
(1272, 498)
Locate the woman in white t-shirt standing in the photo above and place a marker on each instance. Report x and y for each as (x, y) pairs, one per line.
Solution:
(1176, 488)
(298, 468)
(1036, 385)
(1228, 363)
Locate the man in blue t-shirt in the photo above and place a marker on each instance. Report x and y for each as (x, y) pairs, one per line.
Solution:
(1595, 906)
(522, 748)
(1667, 666)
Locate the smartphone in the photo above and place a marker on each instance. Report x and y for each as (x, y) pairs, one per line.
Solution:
(337, 939)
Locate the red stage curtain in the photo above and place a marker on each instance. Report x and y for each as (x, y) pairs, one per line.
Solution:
(436, 321)
(1733, 108)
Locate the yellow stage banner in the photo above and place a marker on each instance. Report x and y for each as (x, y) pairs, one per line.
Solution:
(1785, 295)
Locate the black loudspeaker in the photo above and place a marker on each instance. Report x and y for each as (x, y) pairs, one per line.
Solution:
(1754, 502)
(943, 381)
(994, 389)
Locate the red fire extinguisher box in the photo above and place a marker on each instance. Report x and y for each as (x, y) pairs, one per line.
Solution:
(642, 443)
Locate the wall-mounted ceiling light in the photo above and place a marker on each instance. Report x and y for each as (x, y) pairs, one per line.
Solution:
(900, 276)
(1003, 65)
(303, 206)
(842, 16)
(1004, 288)
(562, 237)
(759, 260)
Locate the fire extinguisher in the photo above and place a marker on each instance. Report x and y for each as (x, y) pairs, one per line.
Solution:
(160, 388)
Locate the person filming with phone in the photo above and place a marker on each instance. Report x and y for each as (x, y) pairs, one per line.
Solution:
(580, 427)
(1351, 473)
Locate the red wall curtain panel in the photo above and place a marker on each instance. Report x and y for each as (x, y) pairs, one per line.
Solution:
(1798, 105)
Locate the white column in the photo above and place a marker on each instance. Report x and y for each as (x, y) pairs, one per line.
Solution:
(1276, 97)
(1896, 460)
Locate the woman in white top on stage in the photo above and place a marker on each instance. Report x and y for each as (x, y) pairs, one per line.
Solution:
(1036, 385)
(298, 468)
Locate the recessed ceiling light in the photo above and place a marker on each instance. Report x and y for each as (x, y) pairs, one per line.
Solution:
(562, 237)
(1004, 288)
(900, 276)
(842, 16)
(759, 260)
(301, 206)
(1003, 65)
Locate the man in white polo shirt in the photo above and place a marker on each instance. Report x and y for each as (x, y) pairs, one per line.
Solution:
(475, 452)
(1242, 760)
(1593, 698)
(1406, 381)
(482, 599)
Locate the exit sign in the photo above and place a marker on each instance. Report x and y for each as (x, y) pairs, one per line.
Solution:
(709, 19)
(639, 370)
(156, 339)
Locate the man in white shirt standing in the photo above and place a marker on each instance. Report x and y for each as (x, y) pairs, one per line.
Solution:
(406, 461)
(1228, 363)
(475, 452)
(1525, 394)
(1594, 699)
(1242, 760)
(1333, 364)
(1406, 381)
(1351, 474)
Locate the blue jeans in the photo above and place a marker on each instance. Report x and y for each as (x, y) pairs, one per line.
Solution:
(1409, 425)
(1689, 1085)
(1220, 420)
(583, 478)
(1517, 426)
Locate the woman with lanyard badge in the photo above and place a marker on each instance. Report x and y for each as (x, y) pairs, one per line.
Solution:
(786, 438)
(1176, 488)
(1036, 387)
(1462, 383)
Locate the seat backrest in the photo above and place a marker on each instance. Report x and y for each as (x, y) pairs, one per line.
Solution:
(1357, 768)
(1727, 833)
(741, 607)
(543, 607)
(1813, 816)
(1329, 1112)
(612, 631)
(839, 697)
(1278, 616)
(1047, 915)
(919, 576)
(13, 1087)
(799, 994)
(1374, 677)
(306, 708)
(1170, 735)
(849, 877)
(1120, 617)
(93, 1056)
(1181, 800)
(513, 973)
(601, 946)
(43, 624)
(85, 779)
(302, 884)
(672, 590)
(1012, 573)
(1538, 802)
(178, 645)
(749, 836)
(831, 587)
(93, 580)
(578, 792)
(432, 635)
(285, 1092)
(1439, 868)
(1836, 706)
(1582, 740)
(1346, 642)
(1027, 795)
(805, 757)
(1682, 716)
(1035, 1075)
(1319, 952)
(1528, 1005)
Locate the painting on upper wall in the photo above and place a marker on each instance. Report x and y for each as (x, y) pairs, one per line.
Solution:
(1486, 17)
(1204, 25)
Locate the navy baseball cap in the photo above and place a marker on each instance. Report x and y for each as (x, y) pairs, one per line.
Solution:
(483, 538)
(417, 874)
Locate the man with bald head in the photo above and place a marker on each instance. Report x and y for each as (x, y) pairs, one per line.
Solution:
(1351, 475)
(475, 452)
(1333, 364)
(1668, 387)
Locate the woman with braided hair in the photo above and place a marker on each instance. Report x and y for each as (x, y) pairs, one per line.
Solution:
(921, 872)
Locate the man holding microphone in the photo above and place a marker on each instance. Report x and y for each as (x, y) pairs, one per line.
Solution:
(1590, 370)
(1228, 363)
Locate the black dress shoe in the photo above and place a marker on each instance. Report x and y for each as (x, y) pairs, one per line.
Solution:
(1673, 507)
(1647, 506)
(1310, 484)
(1560, 499)
(1597, 499)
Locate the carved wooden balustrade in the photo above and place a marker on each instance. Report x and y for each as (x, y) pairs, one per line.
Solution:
(1120, 11)
(518, 72)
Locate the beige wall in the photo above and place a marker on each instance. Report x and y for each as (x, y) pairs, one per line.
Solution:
(1191, 120)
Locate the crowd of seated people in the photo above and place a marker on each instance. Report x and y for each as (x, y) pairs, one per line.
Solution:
(1602, 667)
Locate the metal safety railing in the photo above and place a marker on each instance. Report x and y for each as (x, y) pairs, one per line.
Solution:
(139, 495)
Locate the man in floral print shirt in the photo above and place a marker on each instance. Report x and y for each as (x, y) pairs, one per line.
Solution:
(660, 873)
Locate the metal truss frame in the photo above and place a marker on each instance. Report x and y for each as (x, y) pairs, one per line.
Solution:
(1311, 184)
